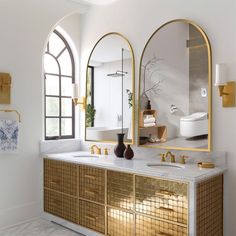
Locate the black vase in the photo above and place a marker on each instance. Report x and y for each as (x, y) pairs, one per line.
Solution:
(120, 147)
(129, 153)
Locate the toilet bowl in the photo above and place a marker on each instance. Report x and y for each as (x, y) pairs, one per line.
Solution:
(194, 125)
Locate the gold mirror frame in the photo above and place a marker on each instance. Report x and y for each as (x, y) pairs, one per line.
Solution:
(208, 149)
(133, 87)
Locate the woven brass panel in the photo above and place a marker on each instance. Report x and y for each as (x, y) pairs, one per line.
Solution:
(60, 176)
(210, 207)
(60, 205)
(162, 198)
(92, 216)
(120, 192)
(120, 223)
(92, 183)
(146, 226)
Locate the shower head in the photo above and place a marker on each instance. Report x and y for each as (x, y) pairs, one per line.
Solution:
(118, 73)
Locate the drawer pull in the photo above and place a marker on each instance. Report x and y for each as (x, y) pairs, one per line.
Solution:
(93, 218)
(165, 209)
(91, 192)
(56, 182)
(90, 177)
(165, 192)
(163, 234)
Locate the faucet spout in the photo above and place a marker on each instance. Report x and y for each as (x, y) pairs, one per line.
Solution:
(94, 149)
(172, 156)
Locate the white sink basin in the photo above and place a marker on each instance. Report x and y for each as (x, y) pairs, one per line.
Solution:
(165, 166)
(85, 156)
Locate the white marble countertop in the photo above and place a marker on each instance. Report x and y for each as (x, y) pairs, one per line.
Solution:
(188, 172)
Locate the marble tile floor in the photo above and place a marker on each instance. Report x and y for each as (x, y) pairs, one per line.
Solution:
(38, 227)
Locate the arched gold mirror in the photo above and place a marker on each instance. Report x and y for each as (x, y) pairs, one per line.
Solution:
(110, 90)
(175, 88)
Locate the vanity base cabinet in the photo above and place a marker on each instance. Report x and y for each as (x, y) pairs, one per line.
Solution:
(210, 207)
(115, 203)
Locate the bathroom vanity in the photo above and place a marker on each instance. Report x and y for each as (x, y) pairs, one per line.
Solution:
(104, 195)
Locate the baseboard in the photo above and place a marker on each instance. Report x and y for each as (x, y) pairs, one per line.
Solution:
(18, 215)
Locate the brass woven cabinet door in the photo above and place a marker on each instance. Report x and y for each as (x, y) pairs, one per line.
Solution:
(92, 216)
(92, 183)
(120, 190)
(146, 226)
(60, 205)
(210, 207)
(60, 176)
(120, 223)
(162, 198)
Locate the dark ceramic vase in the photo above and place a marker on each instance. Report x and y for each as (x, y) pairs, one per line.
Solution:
(120, 147)
(129, 153)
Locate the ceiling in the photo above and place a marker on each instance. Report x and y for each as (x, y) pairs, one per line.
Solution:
(95, 2)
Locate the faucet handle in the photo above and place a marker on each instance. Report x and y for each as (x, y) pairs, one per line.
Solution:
(183, 159)
(91, 150)
(106, 151)
(163, 157)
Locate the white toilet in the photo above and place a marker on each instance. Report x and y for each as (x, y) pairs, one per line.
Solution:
(194, 125)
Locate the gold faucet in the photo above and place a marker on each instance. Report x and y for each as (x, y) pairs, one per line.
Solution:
(94, 149)
(172, 156)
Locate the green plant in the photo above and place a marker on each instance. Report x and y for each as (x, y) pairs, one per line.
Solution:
(130, 98)
(90, 115)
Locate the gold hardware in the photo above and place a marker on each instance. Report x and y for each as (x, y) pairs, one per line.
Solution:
(5, 88)
(165, 192)
(163, 159)
(77, 101)
(172, 156)
(91, 217)
(165, 209)
(105, 151)
(55, 182)
(227, 92)
(90, 176)
(94, 149)
(90, 192)
(7, 110)
(183, 159)
(162, 234)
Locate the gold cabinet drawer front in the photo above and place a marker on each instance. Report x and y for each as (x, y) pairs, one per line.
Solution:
(119, 223)
(162, 198)
(60, 205)
(120, 190)
(146, 226)
(60, 176)
(92, 184)
(92, 216)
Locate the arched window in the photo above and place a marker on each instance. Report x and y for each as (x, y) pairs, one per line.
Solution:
(59, 74)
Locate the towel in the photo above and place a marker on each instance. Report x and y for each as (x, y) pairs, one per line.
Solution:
(149, 124)
(8, 135)
(148, 116)
(149, 120)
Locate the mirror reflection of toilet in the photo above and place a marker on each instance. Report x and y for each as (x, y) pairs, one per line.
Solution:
(194, 125)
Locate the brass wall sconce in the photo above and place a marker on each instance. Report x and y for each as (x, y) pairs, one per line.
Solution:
(226, 88)
(5, 88)
(76, 99)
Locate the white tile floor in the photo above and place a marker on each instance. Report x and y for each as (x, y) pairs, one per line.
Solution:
(38, 227)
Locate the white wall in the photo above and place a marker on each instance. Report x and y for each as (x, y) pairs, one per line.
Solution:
(137, 20)
(25, 26)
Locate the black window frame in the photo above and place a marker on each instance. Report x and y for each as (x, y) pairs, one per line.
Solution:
(60, 75)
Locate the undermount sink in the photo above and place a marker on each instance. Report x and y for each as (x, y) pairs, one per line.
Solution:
(85, 156)
(164, 166)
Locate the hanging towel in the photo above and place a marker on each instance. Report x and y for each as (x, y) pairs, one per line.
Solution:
(8, 135)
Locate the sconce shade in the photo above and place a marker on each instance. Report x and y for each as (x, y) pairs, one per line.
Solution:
(75, 90)
(221, 75)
